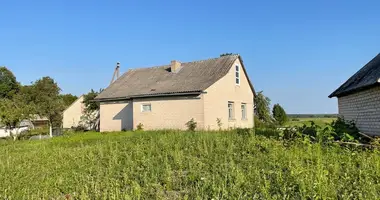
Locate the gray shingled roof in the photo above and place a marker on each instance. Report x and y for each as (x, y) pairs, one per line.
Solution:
(193, 77)
(365, 78)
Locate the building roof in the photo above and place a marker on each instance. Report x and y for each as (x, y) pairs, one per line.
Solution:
(366, 77)
(192, 78)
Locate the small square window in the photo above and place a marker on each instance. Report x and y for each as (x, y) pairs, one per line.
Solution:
(146, 108)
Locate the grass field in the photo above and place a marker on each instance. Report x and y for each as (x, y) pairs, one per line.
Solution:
(184, 165)
(301, 121)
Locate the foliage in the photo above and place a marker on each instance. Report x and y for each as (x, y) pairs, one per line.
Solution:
(34, 132)
(89, 119)
(219, 123)
(279, 114)
(338, 130)
(184, 165)
(344, 129)
(261, 124)
(45, 95)
(13, 111)
(68, 99)
(88, 100)
(8, 83)
(262, 107)
(225, 54)
(140, 127)
(191, 125)
(244, 131)
(79, 128)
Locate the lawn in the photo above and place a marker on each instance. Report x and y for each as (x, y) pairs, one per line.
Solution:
(301, 121)
(184, 165)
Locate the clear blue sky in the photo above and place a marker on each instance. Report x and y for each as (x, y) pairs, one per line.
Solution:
(298, 52)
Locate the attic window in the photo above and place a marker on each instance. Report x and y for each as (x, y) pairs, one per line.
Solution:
(237, 75)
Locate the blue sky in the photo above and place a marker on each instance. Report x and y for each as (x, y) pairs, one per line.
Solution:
(297, 52)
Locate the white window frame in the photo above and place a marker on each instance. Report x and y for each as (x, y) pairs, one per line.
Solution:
(146, 104)
(237, 74)
(243, 111)
(231, 110)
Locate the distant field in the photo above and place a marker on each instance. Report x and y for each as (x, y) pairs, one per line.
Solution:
(319, 121)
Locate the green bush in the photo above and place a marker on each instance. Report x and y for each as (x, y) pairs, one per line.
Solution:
(140, 127)
(244, 131)
(191, 125)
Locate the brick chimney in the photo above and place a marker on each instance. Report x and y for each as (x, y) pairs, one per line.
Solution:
(175, 66)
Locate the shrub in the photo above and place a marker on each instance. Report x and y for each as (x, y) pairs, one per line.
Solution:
(268, 132)
(344, 129)
(262, 124)
(244, 131)
(219, 123)
(191, 125)
(78, 128)
(140, 127)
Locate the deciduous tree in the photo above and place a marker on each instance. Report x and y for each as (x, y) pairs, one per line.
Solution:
(45, 95)
(15, 110)
(8, 83)
(262, 108)
(68, 99)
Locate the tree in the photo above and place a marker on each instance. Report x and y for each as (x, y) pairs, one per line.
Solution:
(279, 114)
(88, 100)
(8, 83)
(68, 99)
(90, 115)
(262, 108)
(45, 94)
(225, 54)
(13, 111)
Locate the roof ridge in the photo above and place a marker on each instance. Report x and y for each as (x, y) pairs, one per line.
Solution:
(196, 61)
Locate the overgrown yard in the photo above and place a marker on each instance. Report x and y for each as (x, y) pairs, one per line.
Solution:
(192, 165)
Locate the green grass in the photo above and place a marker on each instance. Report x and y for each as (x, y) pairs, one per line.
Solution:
(184, 165)
(318, 121)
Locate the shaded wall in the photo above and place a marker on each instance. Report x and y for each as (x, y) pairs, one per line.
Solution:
(364, 108)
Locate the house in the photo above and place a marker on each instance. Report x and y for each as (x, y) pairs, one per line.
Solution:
(359, 98)
(74, 116)
(166, 97)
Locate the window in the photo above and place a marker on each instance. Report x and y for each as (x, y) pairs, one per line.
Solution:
(146, 108)
(237, 75)
(243, 111)
(231, 110)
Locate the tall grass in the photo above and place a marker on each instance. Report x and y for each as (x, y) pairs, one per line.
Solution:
(184, 165)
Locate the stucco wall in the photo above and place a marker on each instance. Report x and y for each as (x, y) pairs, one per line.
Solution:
(72, 115)
(219, 94)
(116, 116)
(364, 108)
(168, 112)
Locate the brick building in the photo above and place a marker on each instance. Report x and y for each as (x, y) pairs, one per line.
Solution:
(359, 98)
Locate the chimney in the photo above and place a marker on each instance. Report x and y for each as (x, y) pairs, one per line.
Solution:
(175, 66)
